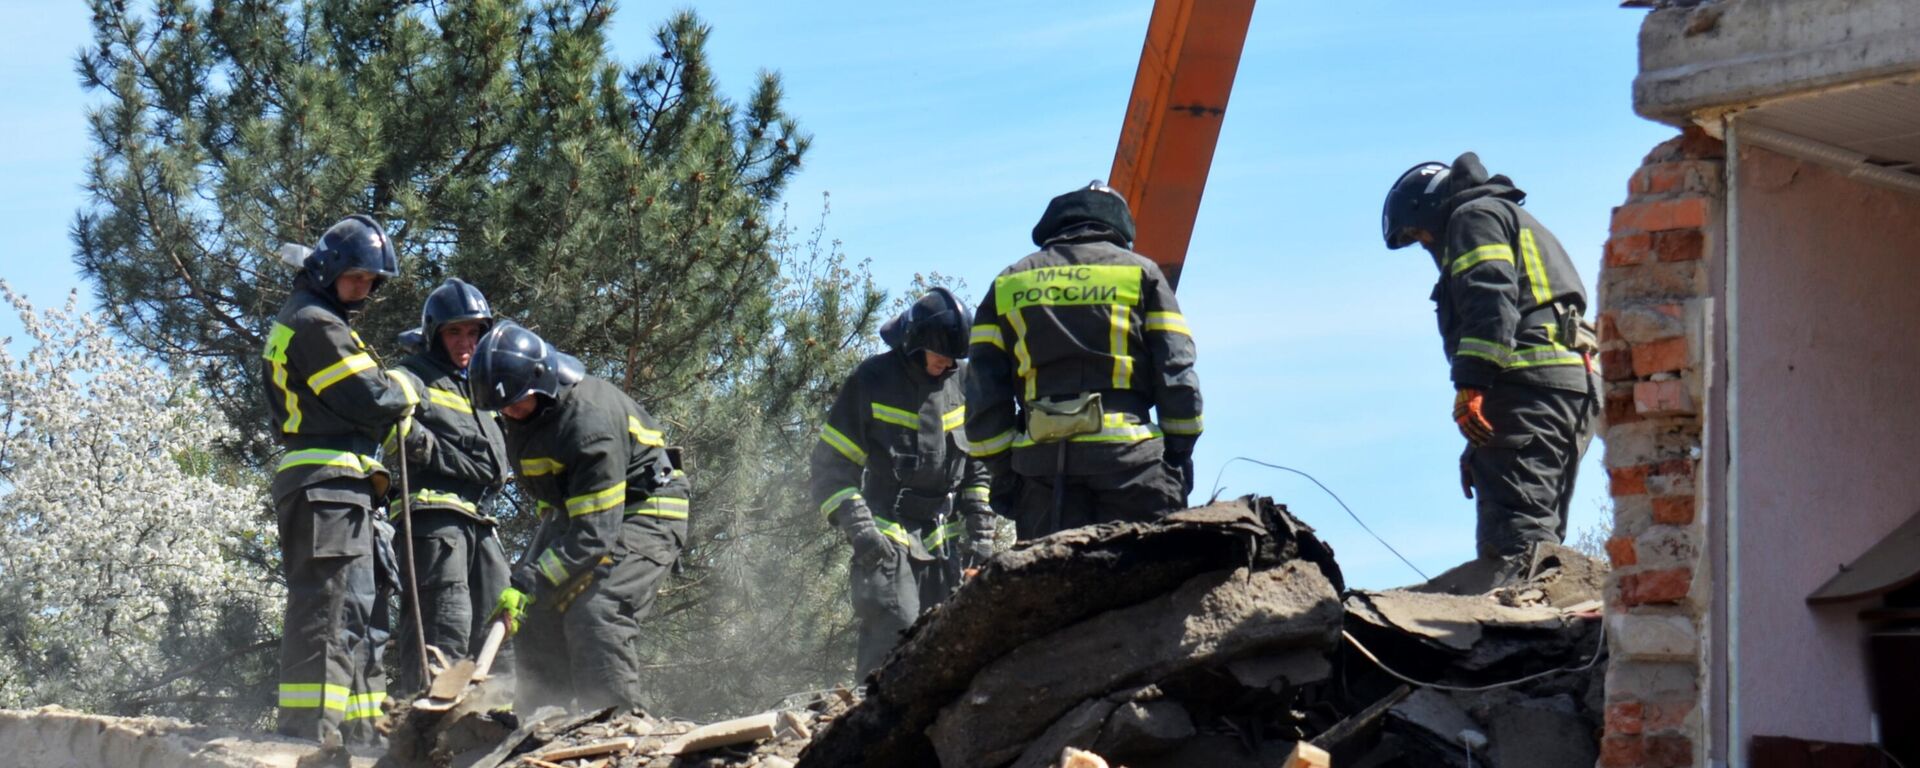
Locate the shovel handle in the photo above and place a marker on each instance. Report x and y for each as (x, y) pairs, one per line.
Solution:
(496, 632)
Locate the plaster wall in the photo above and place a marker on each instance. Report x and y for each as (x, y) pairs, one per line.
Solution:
(1828, 281)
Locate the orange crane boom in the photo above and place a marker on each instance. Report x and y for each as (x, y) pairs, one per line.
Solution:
(1173, 120)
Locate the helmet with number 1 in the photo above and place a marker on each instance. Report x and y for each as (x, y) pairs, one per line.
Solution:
(512, 363)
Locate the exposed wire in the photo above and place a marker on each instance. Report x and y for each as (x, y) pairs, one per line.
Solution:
(1599, 645)
(1889, 754)
(1215, 493)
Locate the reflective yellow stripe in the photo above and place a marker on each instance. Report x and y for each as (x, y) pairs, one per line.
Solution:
(1025, 368)
(892, 415)
(893, 531)
(363, 705)
(975, 493)
(550, 567)
(954, 419)
(846, 447)
(833, 502)
(313, 696)
(598, 501)
(1191, 426)
(991, 446)
(1119, 326)
(1068, 285)
(1490, 351)
(1117, 428)
(405, 383)
(449, 400)
(1168, 322)
(644, 436)
(338, 372)
(1536, 269)
(539, 466)
(276, 353)
(327, 457)
(988, 334)
(1488, 252)
(661, 506)
(424, 496)
(949, 531)
(1535, 357)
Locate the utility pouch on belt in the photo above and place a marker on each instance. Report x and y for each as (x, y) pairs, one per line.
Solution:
(1048, 421)
(1578, 332)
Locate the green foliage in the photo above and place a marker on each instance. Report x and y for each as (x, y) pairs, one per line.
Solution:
(624, 212)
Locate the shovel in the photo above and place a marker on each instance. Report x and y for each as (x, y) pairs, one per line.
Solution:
(452, 685)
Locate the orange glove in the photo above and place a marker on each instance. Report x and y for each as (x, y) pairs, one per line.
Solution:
(1467, 412)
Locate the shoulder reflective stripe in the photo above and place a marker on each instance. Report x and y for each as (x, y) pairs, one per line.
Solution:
(839, 497)
(454, 500)
(667, 507)
(449, 400)
(314, 696)
(1488, 252)
(327, 457)
(1537, 278)
(992, 445)
(405, 383)
(896, 416)
(644, 436)
(550, 567)
(975, 492)
(893, 531)
(954, 419)
(1068, 285)
(338, 372)
(361, 705)
(949, 531)
(1024, 361)
(840, 443)
(1191, 426)
(598, 501)
(1168, 322)
(1119, 328)
(988, 334)
(276, 354)
(540, 466)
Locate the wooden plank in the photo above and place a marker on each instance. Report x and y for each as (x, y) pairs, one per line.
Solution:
(623, 744)
(1306, 755)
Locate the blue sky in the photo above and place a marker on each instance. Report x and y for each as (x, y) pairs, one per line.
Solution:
(941, 133)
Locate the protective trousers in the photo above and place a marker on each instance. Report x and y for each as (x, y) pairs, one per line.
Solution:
(1523, 479)
(1140, 494)
(330, 675)
(579, 643)
(889, 591)
(462, 571)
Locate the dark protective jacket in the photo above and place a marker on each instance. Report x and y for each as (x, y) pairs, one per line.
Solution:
(456, 453)
(1507, 291)
(1083, 315)
(326, 395)
(891, 444)
(592, 460)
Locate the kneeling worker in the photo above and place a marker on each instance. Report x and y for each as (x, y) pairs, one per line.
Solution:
(613, 514)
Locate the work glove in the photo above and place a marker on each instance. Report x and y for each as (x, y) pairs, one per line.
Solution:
(981, 532)
(401, 431)
(1469, 413)
(869, 544)
(512, 608)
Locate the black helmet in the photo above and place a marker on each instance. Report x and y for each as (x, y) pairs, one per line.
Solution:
(1414, 203)
(453, 301)
(411, 340)
(355, 242)
(1095, 203)
(937, 321)
(512, 362)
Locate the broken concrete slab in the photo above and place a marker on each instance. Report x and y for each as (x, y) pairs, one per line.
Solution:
(1541, 733)
(1144, 728)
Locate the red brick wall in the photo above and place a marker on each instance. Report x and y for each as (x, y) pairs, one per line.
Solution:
(1655, 297)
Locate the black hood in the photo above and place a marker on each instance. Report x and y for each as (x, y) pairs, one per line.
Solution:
(1093, 210)
(1468, 180)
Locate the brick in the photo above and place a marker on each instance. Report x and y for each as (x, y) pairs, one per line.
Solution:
(1616, 365)
(1620, 551)
(1666, 546)
(1680, 245)
(1663, 398)
(1653, 280)
(1669, 751)
(1629, 250)
(1663, 356)
(1627, 481)
(1622, 751)
(1660, 216)
(1644, 681)
(1608, 331)
(1692, 144)
(1673, 510)
(1640, 323)
(1673, 467)
(1666, 716)
(1624, 718)
(1668, 585)
(1641, 637)
(1620, 409)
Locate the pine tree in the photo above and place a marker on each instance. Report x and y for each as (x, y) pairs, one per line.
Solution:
(627, 213)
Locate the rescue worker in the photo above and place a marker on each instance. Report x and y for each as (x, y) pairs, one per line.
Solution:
(613, 512)
(457, 459)
(1512, 320)
(888, 466)
(331, 404)
(1075, 348)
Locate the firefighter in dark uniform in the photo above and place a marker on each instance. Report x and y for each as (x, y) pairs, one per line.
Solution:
(331, 404)
(888, 467)
(613, 518)
(1075, 350)
(456, 460)
(1512, 316)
